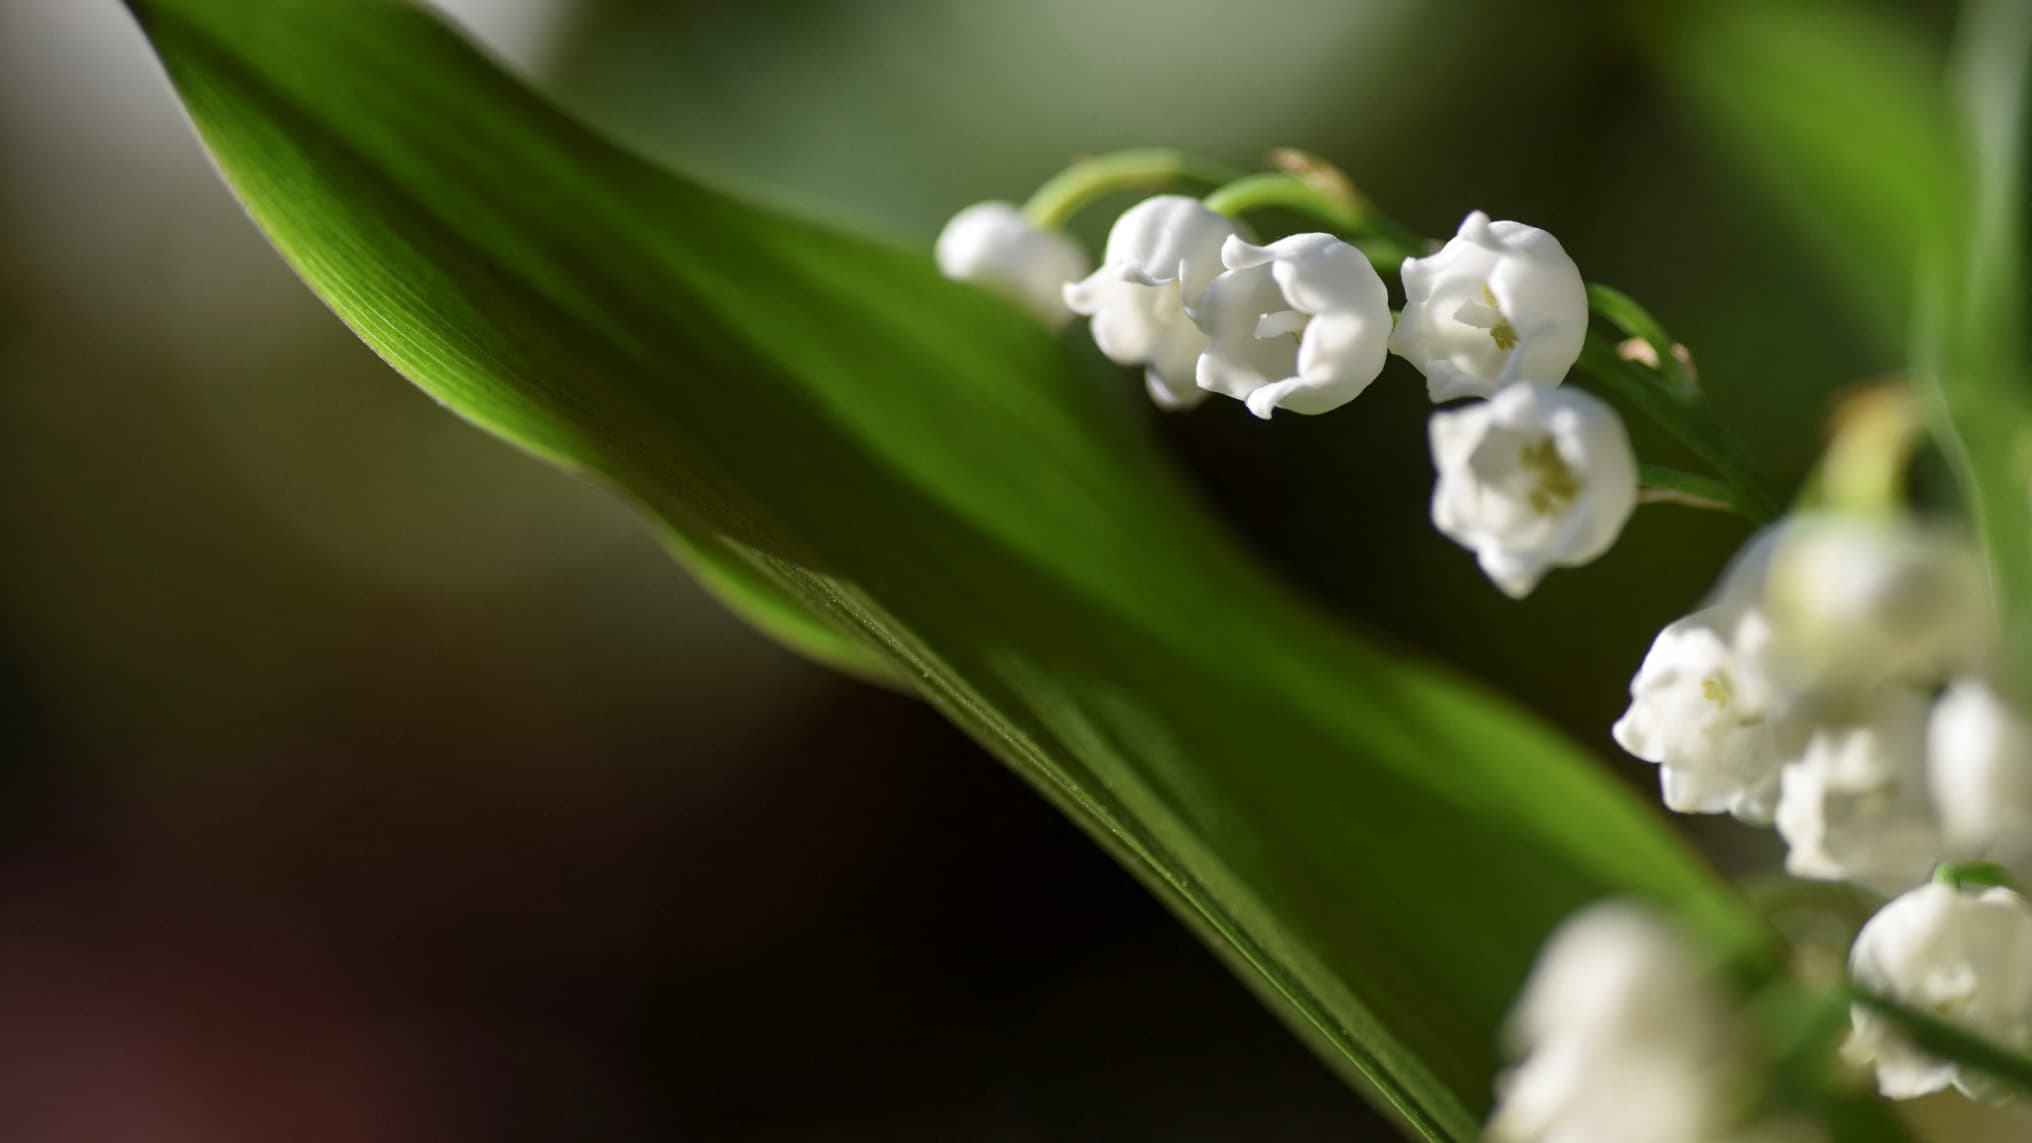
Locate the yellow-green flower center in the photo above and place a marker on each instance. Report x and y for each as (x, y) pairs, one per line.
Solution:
(1555, 484)
(1502, 333)
(1716, 689)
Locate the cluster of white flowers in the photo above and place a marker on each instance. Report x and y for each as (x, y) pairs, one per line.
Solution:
(1624, 1036)
(1804, 692)
(1529, 480)
(1840, 684)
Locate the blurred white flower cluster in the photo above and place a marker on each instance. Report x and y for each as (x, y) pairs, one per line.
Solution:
(1530, 480)
(1838, 682)
(1623, 1035)
(1841, 683)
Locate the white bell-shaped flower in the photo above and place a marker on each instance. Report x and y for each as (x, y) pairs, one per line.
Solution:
(1162, 255)
(1624, 1037)
(1979, 771)
(1532, 479)
(1496, 290)
(1301, 324)
(1705, 708)
(1964, 955)
(1854, 805)
(995, 246)
(1857, 602)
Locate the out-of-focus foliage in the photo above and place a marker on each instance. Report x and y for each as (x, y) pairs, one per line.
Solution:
(1842, 114)
(1908, 168)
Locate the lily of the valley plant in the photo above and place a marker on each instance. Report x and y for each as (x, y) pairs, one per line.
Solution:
(921, 483)
(1843, 682)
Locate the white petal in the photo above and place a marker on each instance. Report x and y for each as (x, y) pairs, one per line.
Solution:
(1703, 708)
(1548, 481)
(1854, 806)
(1979, 773)
(1861, 602)
(1161, 255)
(1237, 361)
(995, 246)
(1169, 238)
(1168, 398)
(1964, 955)
(1129, 321)
(1499, 295)
(1176, 356)
(1313, 285)
(1624, 1035)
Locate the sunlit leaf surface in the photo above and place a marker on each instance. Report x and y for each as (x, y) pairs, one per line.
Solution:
(903, 475)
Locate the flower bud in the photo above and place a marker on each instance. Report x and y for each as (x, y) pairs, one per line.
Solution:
(995, 246)
(1161, 256)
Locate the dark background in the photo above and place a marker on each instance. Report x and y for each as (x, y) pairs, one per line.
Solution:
(362, 780)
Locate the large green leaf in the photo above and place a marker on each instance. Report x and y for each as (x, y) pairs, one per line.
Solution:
(900, 468)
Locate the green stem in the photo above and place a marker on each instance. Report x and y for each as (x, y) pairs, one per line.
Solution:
(1148, 169)
(1272, 189)
(1684, 415)
(1676, 486)
(1938, 1037)
(1973, 875)
(1863, 470)
(1389, 242)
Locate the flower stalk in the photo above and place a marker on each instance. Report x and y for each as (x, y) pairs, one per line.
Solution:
(1662, 484)
(1383, 240)
(1148, 169)
(1684, 414)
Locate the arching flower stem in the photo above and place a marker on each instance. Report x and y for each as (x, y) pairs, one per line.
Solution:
(1385, 242)
(1685, 416)
(1662, 484)
(1146, 169)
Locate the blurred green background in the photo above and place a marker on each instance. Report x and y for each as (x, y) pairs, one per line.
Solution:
(361, 779)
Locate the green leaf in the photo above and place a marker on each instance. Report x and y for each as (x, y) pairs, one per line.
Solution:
(1375, 847)
(1974, 356)
(1948, 1040)
(1839, 111)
